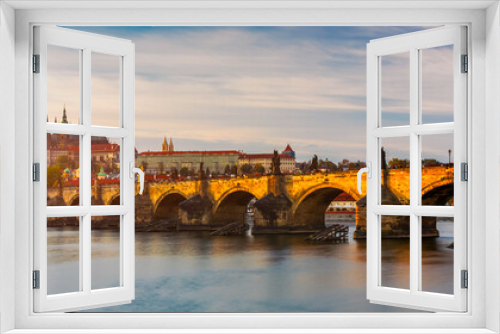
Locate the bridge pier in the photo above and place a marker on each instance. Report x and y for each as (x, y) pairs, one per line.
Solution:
(196, 215)
(272, 215)
(392, 226)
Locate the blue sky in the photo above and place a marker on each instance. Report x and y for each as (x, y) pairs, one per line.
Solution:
(253, 88)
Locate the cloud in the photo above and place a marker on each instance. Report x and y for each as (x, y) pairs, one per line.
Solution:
(253, 89)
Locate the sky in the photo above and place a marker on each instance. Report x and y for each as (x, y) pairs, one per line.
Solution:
(254, 89)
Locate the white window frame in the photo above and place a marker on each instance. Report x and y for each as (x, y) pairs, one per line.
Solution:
(414, 44)
(86, 45)
(483, 314)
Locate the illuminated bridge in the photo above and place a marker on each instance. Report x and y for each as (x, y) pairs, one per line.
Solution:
(284, 203)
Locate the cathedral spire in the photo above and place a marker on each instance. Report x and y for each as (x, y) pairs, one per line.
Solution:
(171, 145)
(64, 117)
(164, 145)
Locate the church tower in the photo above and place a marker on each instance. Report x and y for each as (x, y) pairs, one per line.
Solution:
(164, 145)
(64, 117)
(171, 145)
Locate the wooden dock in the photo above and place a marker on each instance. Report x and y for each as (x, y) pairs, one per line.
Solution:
(333, 234)
(235, 228)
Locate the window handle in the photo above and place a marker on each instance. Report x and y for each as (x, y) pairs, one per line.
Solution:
(368, 171)
(135, 170)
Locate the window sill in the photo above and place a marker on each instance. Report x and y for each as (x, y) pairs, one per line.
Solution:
(250, 331)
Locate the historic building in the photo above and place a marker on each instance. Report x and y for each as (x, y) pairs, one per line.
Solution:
(287, 159)
(66, 148)
(163, 162)
(105, 154)
(343, 207)
(166, 160)
(167, 147)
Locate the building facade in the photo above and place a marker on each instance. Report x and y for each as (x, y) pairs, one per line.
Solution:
(287, 159)
(164, 162)
(343, 207)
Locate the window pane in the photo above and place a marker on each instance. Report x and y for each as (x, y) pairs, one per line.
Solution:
(395, 251)
(437, 84)
(106, 102)
(105, 171)
(63, 85)
(395, 89)
(63, 255)
(437, 169)
(63, 170)
(105, 252)
(395, 171)
(437, 254)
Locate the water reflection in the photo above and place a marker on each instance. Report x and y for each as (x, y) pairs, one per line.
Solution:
(194, 272)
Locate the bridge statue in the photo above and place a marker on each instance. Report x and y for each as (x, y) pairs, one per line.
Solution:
(276, 164)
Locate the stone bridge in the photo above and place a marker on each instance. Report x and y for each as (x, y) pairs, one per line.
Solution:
(284, 203)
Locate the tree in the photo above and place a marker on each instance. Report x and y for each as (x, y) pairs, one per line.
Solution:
(399, 163)
(429, 162)
(259, 168)
(246, 169)
(304, 166)
(227, 170)
(234, 169)
(207, 172)
(174, 174)
(53, 174)
(314, 163)
(184, 171)
(63, 161)
(328, 165)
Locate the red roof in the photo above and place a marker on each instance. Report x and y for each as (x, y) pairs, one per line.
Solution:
(265, 155)
(105, 148)
(165, 153)
(344, 197)
(94, 148)
(288, 148)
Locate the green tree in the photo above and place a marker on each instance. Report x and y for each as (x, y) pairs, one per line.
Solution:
(184, 171)
(399, 163)
(328, 165)
(63, 161)
(174, 174)
(314, 163)
(246, 169)
(259, 168)
(227, 170)
(234, 169)
(53, 174)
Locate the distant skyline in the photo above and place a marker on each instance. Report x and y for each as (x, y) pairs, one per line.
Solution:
(246, 88)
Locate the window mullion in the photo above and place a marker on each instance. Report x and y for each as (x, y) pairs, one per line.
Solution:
(414, 170)
(86, 173)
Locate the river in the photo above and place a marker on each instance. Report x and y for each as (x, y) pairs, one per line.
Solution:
(195, 272)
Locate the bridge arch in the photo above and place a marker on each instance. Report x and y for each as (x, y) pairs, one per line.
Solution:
(167, 206)
(310, 207)
(232, 205)
(74, 201)
(114, 200)
(439, 192)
